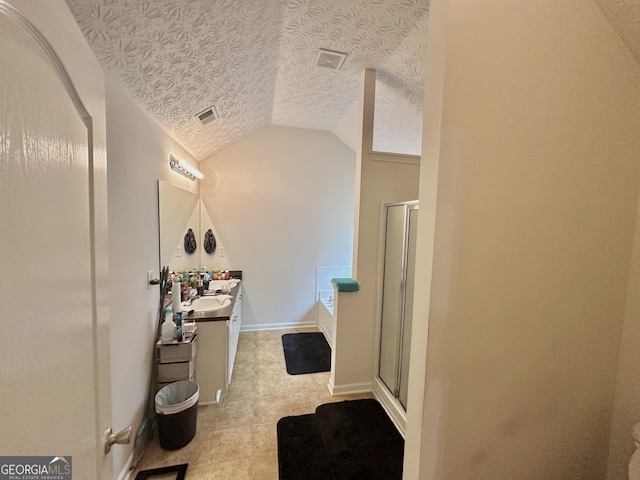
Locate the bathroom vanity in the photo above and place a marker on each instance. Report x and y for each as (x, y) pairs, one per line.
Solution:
(217, 335)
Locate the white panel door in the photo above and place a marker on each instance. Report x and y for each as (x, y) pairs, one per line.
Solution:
(49, 394)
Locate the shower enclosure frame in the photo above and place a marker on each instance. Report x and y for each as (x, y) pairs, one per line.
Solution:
(389, 395)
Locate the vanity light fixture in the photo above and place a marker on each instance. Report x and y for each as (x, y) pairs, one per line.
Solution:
(183, 168)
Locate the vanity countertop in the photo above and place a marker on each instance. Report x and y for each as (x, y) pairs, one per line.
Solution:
(216, 315)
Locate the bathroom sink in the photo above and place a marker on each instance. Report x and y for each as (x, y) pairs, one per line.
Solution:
(208, 304)
(217, 284)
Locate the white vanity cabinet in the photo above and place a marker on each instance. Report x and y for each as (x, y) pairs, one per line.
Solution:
(217, 346)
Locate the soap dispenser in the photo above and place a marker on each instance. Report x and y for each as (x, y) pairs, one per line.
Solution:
(168, 327)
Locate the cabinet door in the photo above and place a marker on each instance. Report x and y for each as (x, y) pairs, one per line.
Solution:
(211, 360)
(230, 352)
(233, 333)
(239, 307)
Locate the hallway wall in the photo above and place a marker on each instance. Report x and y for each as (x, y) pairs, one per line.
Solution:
(137, 156)
(537, 187)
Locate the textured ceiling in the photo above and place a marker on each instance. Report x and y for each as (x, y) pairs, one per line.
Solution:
(255, 60)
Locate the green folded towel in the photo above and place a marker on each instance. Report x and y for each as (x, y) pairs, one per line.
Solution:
(345, 284)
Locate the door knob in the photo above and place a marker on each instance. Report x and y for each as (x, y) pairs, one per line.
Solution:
(122, 437)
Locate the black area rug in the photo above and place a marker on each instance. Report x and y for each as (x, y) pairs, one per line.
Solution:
(352, 440)
(306, 353)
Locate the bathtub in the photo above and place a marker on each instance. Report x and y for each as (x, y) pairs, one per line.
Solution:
(324, 307)
(324, 297)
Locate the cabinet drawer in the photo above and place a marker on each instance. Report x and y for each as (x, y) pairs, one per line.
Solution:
(172, 372)
(178, 352)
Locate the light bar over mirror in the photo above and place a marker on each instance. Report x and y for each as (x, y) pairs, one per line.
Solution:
(183, 168)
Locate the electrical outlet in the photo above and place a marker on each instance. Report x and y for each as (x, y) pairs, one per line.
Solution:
(150, 277)
(178, 252)
(222, 253)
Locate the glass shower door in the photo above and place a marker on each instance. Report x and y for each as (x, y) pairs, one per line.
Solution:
(408, 306)
(397, 298)
(392, 290)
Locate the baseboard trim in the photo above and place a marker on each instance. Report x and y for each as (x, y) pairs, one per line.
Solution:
(277, 326)
(125, 473)
(391, 405)
(349, 388)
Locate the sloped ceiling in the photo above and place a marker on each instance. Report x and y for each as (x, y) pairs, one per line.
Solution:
(255, 61)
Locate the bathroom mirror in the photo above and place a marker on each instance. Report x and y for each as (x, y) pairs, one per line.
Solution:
(178, 211)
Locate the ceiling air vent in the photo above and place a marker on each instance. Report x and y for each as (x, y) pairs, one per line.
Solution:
(208, 115)
(330, 59)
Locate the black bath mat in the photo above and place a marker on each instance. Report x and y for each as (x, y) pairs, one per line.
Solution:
(301, 455)
(350, 440)
(360, 440)
(306, 353)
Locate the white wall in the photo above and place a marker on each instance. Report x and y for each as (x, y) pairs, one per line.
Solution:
(281, 203)
(377, 182)
(537, 193)
(137, 156)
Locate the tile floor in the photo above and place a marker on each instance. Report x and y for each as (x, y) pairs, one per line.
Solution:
(236, 439)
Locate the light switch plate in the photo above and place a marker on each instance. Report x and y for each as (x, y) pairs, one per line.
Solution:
(222, 253)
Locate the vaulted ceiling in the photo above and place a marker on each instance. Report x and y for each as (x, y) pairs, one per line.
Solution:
(255, 61)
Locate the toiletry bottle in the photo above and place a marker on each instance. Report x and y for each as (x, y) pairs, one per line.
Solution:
(168, 327)
(177, 320)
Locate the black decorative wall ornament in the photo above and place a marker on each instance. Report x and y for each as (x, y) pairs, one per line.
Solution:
(189, 242)
(209, 242)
